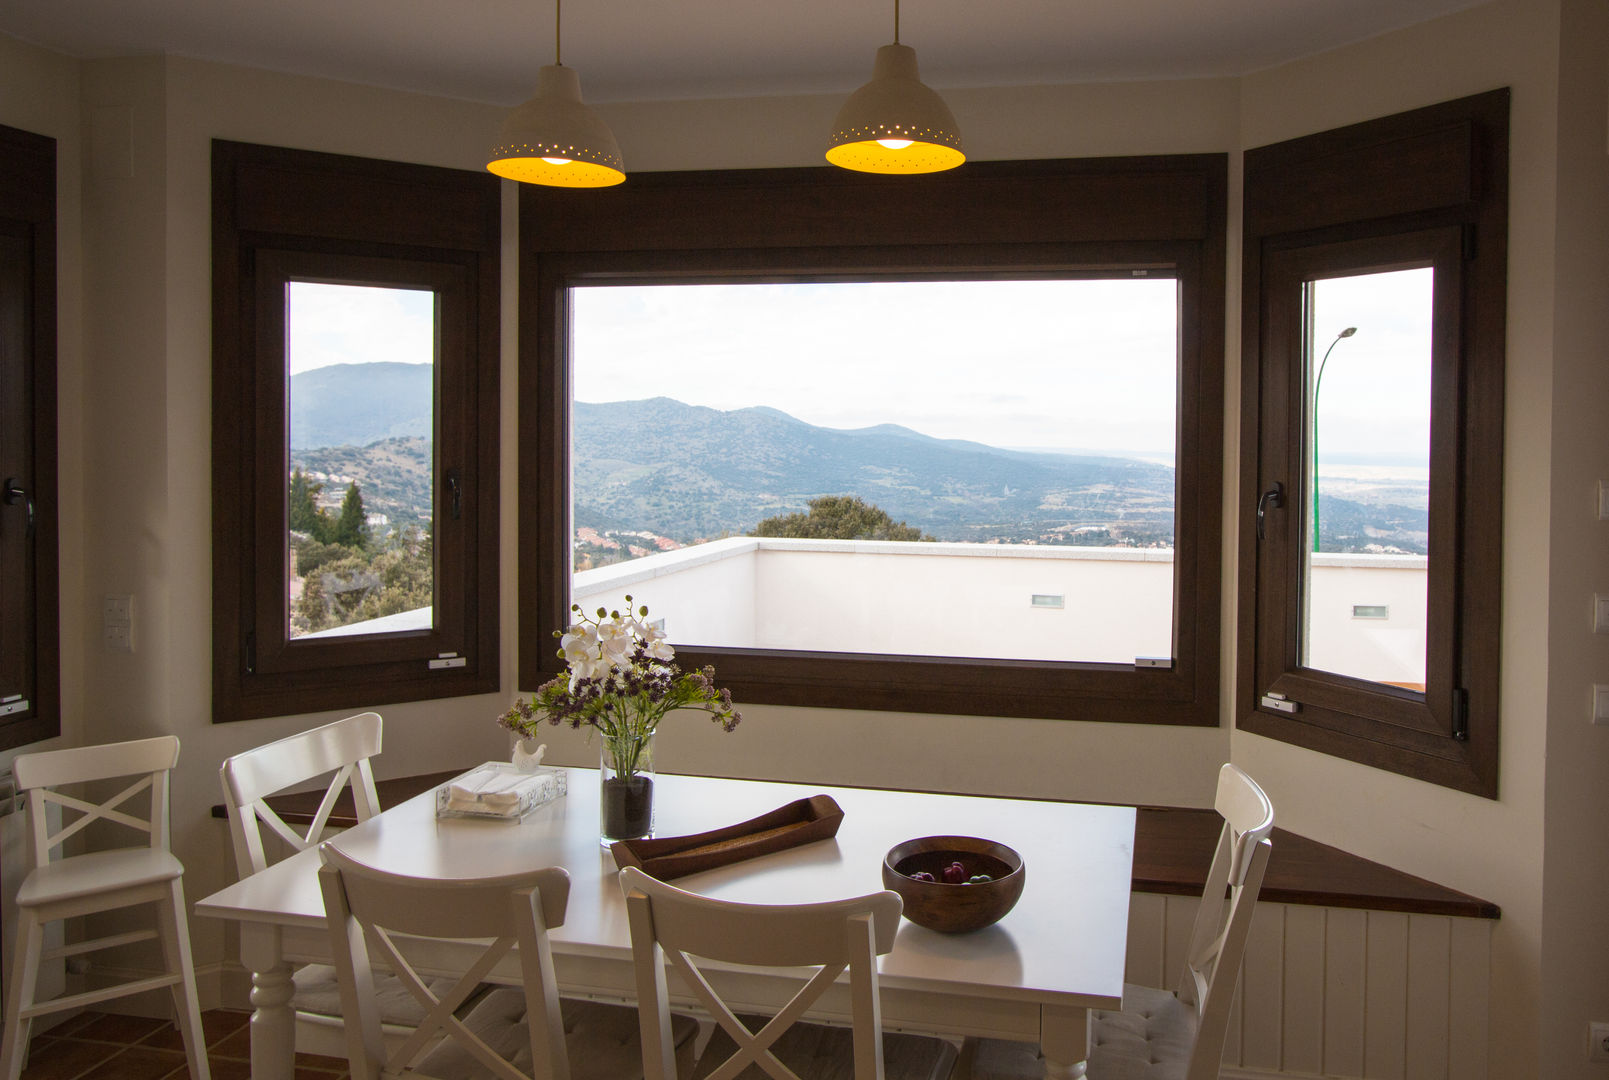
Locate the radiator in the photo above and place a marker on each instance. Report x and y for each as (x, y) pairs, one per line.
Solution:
(1338, 992)
(14, 866)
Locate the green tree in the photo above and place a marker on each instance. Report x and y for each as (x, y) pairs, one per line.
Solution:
(352, 527)
(305, 515)
(839, 517)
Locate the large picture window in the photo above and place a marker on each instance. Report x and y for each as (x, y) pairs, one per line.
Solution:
(949, 449)
(1373, 438)
(355, 432)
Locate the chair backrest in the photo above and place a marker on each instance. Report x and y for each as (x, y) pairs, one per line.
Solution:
(342, 748)
(1218, 941)
(369, 910)
(668, 923)
(148, 759)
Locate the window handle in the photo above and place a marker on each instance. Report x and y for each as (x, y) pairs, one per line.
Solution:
(15, 493)
(1274, 497)
(455, 493)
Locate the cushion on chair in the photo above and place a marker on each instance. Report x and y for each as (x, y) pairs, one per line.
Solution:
(1150, 1039)
(603, 1041)
(819, 1052)
(97, 873)
(318, 992)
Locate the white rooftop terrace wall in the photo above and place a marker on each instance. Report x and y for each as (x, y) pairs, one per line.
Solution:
(938, 599)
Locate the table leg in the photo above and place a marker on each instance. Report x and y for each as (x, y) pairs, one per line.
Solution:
(273, 1021)
(1064, 1042)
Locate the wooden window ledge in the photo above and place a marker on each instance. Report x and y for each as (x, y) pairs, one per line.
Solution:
(1172, 850)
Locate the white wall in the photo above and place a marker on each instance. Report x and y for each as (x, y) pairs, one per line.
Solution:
(135, 410)
(1575, 934)
(1491, 848)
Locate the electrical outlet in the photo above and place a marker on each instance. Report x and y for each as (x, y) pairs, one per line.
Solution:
(117, 623)
(1598, 1045)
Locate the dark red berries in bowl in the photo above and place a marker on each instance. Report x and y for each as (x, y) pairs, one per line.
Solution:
(954, 883)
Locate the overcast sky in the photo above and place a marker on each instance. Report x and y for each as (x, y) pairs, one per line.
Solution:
(1038, 364)
(1052, 364)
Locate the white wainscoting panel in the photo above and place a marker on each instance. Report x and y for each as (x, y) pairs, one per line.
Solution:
(1338, 992)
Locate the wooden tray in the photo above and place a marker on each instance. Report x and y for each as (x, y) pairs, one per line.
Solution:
(802, 821)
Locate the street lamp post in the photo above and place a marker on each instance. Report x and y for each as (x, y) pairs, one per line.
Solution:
(1318, 381)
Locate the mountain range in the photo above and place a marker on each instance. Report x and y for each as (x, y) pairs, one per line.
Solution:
(689, 472)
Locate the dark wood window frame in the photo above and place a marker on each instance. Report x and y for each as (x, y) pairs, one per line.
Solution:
(1424, 188)
(30, 658)
(280, 214)
(999, 219)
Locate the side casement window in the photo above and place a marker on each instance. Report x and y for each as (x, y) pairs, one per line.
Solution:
(30, 699)
(355, 368)
(1375, 283)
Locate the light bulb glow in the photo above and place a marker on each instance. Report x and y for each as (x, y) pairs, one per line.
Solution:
(894, 144)
(557, 160)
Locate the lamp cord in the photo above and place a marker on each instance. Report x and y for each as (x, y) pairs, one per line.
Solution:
(896, 22)
(558, 8)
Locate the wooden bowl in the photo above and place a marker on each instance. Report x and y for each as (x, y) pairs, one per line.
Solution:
(950, 908)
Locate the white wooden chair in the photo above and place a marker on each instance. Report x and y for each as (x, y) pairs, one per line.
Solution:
(342, 750)
(513, 1034)
(71, 886)
(1177, 1035)
(839, 935)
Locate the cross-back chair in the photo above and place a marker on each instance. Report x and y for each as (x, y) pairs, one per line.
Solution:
(1178, 1034)
(341, 751)
(840, 936)
(62, 886)
(513, 1034)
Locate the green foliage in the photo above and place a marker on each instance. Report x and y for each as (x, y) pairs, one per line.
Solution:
(343, 585)
(312, 556)
(352, 527)
(839, 517)
(305, 514)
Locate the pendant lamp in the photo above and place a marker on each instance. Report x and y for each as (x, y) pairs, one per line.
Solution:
(554, 139)
(894, 124)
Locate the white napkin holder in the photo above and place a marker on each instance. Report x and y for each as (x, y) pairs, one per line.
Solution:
(499, 791)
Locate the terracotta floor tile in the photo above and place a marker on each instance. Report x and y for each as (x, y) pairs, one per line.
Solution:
(216, 1026)
(112, 1027)
(63, 1059)
(73, 1023)
(137, 1063)
(237, 1044)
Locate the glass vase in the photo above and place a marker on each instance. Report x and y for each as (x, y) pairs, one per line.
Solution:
(626, 802)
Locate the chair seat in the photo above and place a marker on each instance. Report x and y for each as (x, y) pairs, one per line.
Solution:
(819, 1052)
(1150, 1039)
(602, 1040)
(317, 991)
(98, 872)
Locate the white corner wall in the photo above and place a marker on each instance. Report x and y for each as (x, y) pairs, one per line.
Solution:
(1575, 933)
(1491, 848)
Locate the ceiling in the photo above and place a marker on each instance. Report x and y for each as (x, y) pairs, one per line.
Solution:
(641, 50)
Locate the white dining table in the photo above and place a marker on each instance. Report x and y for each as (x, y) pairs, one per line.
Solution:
(1033, 976)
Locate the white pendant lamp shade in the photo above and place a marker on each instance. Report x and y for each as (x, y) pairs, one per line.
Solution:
(554, 139)
(894, 124)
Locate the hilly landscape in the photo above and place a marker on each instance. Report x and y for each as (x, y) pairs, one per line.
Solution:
(671, 473)
(691, 472)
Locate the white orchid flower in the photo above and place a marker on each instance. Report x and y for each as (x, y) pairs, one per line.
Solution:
(577, 646)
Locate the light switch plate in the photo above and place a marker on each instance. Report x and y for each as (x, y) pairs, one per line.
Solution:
(1600, 704)
(1600, 613)
(1603, 500)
